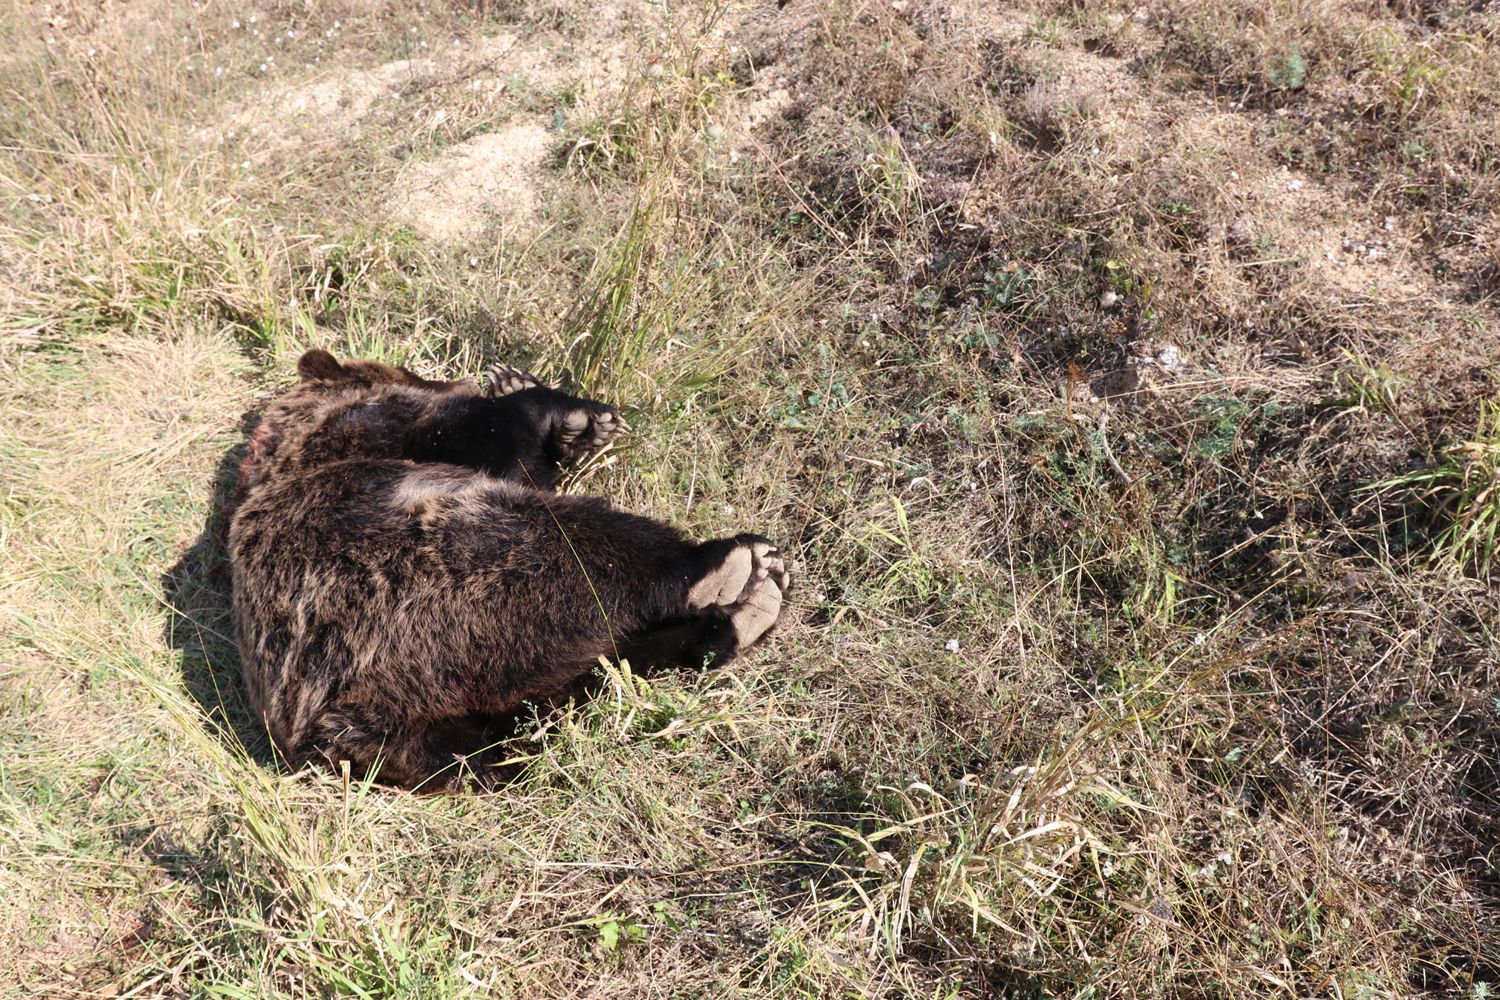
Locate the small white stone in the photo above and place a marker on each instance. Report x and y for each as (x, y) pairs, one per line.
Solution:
(473, 261)
(1108, 299)
(1169, 358)
(951, 645)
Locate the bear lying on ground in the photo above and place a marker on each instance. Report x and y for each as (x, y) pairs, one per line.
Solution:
(405, 576)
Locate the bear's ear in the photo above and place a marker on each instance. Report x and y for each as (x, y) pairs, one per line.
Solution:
(317, 365)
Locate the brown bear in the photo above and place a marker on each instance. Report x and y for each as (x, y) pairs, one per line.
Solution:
(404, 576)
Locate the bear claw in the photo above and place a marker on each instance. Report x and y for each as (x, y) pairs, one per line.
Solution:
(502, 380)
(587, 429)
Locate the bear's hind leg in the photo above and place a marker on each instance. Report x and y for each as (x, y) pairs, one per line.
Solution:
(683, 643)
(729, 608)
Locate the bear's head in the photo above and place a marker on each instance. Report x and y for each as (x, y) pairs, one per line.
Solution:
(338, 410)
(322, 372)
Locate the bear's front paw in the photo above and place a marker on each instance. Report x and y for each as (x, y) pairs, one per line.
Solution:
(587, 429)
(502, 380)
(749, 585)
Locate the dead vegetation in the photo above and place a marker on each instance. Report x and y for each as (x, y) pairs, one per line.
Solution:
(1122, 378)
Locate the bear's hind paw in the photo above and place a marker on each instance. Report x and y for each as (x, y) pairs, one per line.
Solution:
(749, 585)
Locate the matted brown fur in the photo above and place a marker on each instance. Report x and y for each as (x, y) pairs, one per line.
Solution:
(404, 574)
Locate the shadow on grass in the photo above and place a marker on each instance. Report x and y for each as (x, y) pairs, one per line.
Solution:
(196, 591)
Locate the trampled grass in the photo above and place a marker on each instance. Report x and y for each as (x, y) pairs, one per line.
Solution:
(1113, 374)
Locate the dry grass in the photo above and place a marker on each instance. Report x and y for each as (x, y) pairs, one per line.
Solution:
(1121, 377)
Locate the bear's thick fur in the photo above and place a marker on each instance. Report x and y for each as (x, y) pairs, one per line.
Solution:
(404, 575)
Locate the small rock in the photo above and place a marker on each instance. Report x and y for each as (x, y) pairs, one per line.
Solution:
(1108, 299)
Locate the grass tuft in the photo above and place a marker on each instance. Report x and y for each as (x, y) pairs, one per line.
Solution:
(1462, 492)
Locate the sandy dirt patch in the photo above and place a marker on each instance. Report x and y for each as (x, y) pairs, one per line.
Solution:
(498, 86)
(491, 176)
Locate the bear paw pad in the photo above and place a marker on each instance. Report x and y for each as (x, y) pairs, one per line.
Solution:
(587, 429)
(749, 585)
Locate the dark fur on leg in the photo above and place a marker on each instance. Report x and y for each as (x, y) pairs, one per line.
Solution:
(689, 643)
